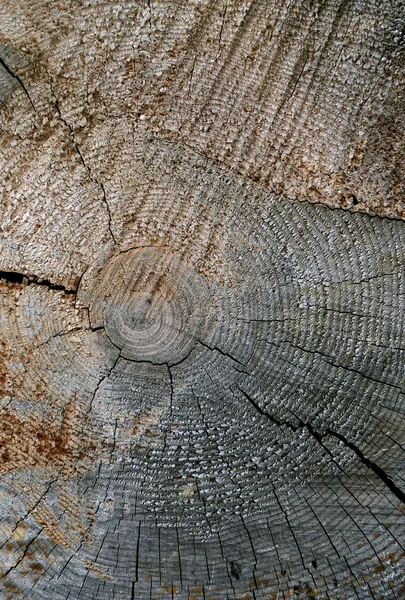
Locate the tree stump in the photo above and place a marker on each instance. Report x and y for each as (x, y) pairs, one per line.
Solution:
(202, 286)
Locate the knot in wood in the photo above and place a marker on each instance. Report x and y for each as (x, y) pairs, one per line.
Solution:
(150, 303)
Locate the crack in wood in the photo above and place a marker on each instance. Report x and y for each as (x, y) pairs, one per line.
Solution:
(400, 494)
(84, 163)
(18, 79)
(28, 279)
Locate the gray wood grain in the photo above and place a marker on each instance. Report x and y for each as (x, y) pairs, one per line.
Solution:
(201, 365)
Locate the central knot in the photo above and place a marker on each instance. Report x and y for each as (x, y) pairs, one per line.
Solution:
(151, 304)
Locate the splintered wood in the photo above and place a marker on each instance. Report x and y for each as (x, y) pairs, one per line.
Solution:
(202, 353)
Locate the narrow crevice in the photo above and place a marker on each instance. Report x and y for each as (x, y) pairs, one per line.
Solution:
(322, 526)
(24, 279)
(319, 438)
(24, 554)
(145, 247)
(268, 190)
(138, 546)
(377, 470)
(84, 163)
(223, 15)
(108, 209)
(254, 569)
(17, 78)
(226, 355)
(101, 381)
(370, 464)
(12, 135)
(171, 384)
(333, 364)
(92, 178)
(36, 504)
(291, 528)
(50, 285)
(265, 413)
(180, 566)
(294, 79)
(325, 357)
(139, 361)
(64, 332)
(25, 551)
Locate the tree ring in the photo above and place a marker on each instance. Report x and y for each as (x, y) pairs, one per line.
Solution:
(151, 304)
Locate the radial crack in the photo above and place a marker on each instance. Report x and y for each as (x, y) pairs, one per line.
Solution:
(370, 464)
(381, 474)
(84, 163)
(17, 78)
(23, 555)
(101, 381)
(324, 357)
(225, 354)
(25, 279)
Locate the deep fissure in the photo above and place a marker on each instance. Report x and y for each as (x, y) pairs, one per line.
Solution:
(17, 78)
(25, 279)
(377, 470)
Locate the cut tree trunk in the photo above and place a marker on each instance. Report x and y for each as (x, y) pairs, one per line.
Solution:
(202, 292)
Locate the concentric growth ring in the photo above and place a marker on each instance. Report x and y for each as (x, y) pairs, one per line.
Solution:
(151, 304)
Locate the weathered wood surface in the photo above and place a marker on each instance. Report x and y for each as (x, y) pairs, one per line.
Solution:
(202, 378)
